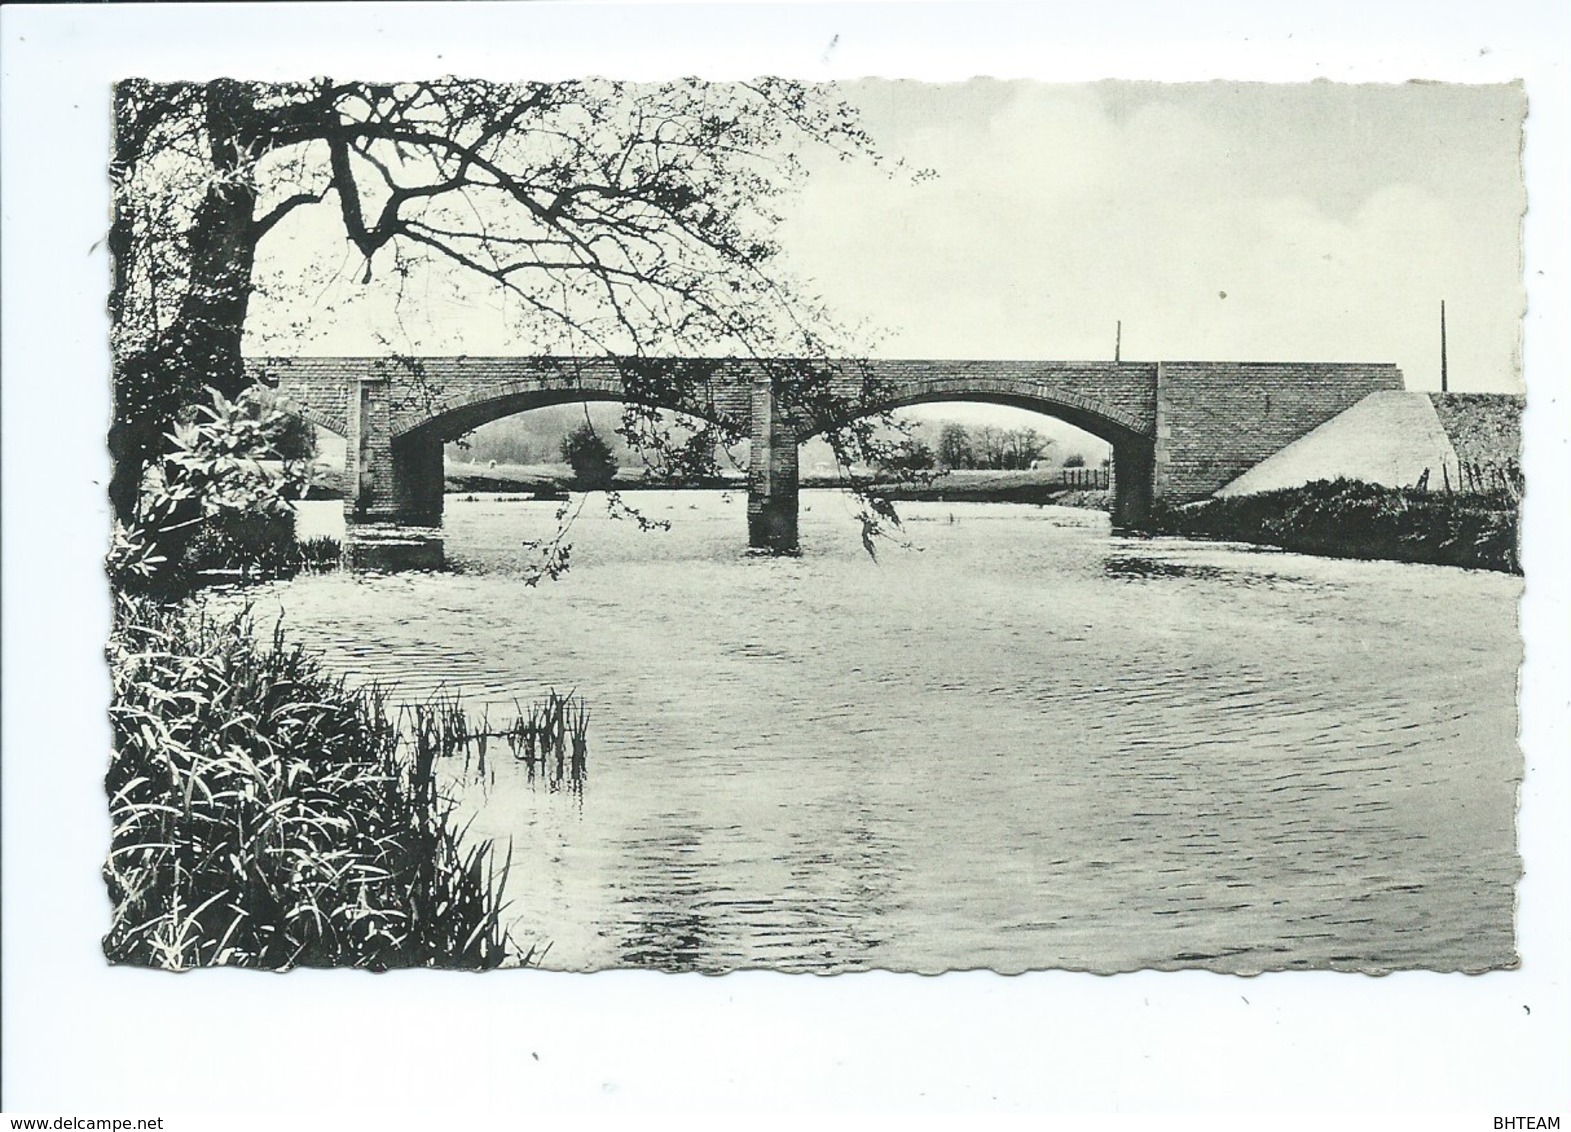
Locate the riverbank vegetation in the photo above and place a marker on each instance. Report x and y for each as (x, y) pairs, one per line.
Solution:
(1353, 519)
(219, 505)
(263, 813)
(266, 815)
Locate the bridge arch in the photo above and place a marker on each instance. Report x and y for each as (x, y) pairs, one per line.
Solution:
(330, 418)
(330, 422)
(1219, 418)
(1112, 423)
(452, 417)
(418, 400)
(1131, 434)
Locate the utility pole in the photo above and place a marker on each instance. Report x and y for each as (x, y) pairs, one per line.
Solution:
(1444, 378)
(1118, 342)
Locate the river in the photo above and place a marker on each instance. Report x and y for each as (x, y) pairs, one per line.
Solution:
(1020, 742)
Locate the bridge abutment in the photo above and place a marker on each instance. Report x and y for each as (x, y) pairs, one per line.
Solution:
(773, 485)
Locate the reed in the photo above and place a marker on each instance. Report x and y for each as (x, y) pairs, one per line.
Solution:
(265, 815)
(318, 554)
(550, 738)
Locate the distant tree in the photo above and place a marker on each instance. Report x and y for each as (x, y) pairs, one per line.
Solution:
(954, 447)
(1025, 447)
(992, 447)
(909, 455)
(590, 457)
(1074, 460)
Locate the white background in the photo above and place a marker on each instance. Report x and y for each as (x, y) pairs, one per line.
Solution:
(82, 1037)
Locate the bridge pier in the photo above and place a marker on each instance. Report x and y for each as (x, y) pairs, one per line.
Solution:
(772, 478)
(1134, 482)
(392, 490)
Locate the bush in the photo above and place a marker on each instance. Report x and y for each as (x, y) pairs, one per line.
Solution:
(222, 499)
(590, 457)
(256, 547)
(1352, 519)
(263, 817)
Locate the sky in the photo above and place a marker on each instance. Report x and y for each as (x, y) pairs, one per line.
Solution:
(1216, 221)
(1219, 221)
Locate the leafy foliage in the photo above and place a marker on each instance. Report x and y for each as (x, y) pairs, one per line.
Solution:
(220, 499)
(216, 464)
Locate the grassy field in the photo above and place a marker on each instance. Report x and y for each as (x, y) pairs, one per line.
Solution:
(1042, 486)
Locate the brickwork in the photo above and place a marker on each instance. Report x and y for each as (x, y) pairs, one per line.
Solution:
(368, 453)
(318, 387)
(453, 395)
(1216, 420)
(450, 396)
(1101, 397)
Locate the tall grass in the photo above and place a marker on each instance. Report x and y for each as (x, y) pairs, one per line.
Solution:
(549, 738)
(265, 816)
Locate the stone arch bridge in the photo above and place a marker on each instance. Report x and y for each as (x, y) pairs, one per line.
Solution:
(1178, 430)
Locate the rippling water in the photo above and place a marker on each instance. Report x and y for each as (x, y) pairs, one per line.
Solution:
(1020, 743)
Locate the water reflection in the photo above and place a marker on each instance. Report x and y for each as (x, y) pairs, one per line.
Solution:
(1128, 567)
(811, 901)
(549, 740)
(663, 923)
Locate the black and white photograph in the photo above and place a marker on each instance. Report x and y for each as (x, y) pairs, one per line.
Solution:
(805, 523)
(518, 562)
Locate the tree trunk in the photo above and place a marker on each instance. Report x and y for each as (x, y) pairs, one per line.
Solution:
(202, 346)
